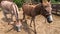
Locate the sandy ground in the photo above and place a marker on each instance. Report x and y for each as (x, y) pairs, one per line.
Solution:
(42, 26)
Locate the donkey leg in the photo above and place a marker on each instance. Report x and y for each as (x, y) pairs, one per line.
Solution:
(11, 21)
(31, 22)
(5, 15)
(34, 26)
(12, 15)
(32, 19)
(24, 17)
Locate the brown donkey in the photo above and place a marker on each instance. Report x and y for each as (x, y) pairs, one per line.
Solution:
(41, 8)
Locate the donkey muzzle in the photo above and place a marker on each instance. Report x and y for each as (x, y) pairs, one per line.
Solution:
(49, 18)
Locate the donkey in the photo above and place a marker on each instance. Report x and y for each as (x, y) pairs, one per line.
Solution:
(10, 7)
(41, 8)
(30, 10)
(47, 10)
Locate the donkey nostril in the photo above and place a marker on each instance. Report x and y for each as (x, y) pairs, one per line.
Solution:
(49, 21)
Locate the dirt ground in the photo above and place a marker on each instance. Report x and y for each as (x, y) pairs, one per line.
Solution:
(42, 26)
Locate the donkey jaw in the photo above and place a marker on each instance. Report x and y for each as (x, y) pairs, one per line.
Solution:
(49, 18)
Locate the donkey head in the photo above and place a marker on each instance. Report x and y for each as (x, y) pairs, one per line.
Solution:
(47, 10)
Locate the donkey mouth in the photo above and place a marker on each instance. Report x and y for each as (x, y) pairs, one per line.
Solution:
(49, 21)
(49, 18)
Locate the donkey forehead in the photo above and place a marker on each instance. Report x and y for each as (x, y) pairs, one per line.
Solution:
(47, 8)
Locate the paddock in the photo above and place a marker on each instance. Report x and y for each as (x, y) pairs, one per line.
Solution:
(42, 26)
(56, 8)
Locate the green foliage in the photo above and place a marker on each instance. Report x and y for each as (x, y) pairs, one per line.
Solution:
(38, 0)
(55, 1)
(19, 2)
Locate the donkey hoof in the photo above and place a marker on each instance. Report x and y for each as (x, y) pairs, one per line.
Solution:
(30, 25)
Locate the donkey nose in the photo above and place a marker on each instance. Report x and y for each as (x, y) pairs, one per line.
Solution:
(49, 21)
(49, 18)
(18, 29)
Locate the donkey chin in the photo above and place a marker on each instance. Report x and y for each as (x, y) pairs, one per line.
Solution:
(49, 18)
